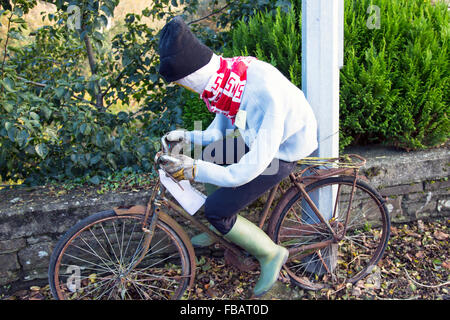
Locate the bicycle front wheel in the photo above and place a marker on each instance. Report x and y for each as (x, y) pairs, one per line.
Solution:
(317, 260)
(96, 259)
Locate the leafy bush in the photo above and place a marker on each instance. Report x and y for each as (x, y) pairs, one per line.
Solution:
(395, 80)
(56, 91)
(195, 110)
(271, 38)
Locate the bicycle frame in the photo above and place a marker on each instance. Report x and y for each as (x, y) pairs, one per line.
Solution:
(300, 181)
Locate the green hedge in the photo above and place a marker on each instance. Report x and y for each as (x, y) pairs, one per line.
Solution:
(272, 38)
(194, 109)
(395, 80)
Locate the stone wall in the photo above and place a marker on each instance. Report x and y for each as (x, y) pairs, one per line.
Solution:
(415, 184)
(31, 221)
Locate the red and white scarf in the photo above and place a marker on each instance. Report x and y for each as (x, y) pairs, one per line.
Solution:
(223, 93)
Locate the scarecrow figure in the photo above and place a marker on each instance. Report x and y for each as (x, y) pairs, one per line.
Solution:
(274, 120)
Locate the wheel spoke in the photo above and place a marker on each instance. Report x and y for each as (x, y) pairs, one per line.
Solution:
(346, 260)
(106, 252)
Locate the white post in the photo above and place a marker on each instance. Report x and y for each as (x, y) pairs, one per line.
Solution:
(322, 45)
(340, 33)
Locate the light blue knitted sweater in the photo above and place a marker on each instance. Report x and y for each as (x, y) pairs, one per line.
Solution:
(279, 124)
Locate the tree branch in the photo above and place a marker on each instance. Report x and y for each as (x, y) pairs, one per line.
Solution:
(92, 65)
(121, 74)
(424, 285)
(34, 83)
(43, 85)
(211, 14)
(6, 43)
(85, 101)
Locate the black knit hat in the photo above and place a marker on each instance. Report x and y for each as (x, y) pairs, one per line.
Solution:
(181, 53)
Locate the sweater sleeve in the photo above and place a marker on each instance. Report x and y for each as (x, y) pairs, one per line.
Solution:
(217, 130)
(262, 151)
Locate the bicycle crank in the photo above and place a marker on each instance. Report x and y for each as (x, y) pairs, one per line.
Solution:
(242, 262)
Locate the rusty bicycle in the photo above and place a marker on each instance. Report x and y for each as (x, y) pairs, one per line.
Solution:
(334, 224)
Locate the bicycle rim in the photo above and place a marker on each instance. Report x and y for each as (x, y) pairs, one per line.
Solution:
(97, 261)
(327, 263)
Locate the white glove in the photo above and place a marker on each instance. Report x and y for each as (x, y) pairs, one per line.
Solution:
(181, 167)
(172, 138)
(178, 136)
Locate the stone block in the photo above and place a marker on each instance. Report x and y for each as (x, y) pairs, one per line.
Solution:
(420, 209)
(14, 245)
(442, 185)
(36, 256)
(39, 273)
(443, 205)
(38, 239)
(9, 262)
(417, 197)
(401, 189)
(34, 224)
(394, 206)
(9, 276)
(388, 167)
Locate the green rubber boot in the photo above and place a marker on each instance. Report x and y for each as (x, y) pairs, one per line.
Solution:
(255, 241)
(203, 239)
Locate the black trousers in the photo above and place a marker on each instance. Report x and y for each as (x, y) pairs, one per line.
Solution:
(222, 206)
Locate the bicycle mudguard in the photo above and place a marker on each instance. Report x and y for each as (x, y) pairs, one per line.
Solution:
(140, 210)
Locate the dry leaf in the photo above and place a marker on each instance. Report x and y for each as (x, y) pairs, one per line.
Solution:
(394, 231)
(446, 264)
(420, 254)
(440, 235)
(356, 291)
(211, 292)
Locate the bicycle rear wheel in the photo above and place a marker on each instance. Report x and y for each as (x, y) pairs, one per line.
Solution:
(96, 259)
(317, 261)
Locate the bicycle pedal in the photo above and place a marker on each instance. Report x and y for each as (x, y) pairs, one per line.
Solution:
(241, 262)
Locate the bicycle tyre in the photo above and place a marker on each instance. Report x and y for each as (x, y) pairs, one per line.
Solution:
(337, 269)
(152, 275)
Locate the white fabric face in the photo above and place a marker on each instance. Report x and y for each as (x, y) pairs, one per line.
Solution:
(198, 80)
